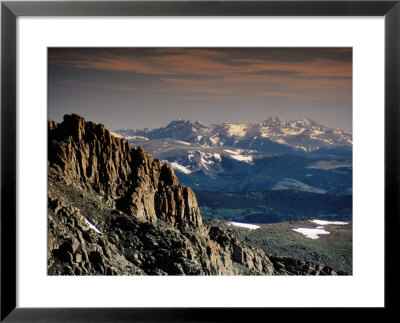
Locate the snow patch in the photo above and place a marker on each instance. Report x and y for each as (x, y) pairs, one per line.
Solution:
(246, 159)
(311, 233)
(238, 130)
(236, 155)
(302, 148)
(281, 141)
(214, 140)
(323, 222)
(136, 138)
(181, 168)
(92, 226)
(217, 156)
(245, 225)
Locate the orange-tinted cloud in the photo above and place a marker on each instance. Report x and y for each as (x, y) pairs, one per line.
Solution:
(95, 85)
(208, 71)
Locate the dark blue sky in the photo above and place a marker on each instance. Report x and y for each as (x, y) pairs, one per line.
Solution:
(148, 87)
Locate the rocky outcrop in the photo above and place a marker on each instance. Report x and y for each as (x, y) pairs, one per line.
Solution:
(87, 237)
(113, 209)
(91, 157)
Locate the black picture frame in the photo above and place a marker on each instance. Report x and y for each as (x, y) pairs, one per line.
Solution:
(10, 10)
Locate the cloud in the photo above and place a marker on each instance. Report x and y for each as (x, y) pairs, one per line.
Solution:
(217, 72)
(96, 85)
(193, 62)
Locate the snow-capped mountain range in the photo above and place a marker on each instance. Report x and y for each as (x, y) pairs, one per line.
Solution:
(271, 155)
(271, 135)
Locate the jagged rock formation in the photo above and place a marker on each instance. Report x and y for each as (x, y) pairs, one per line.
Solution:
(115, 210)
(88, 155)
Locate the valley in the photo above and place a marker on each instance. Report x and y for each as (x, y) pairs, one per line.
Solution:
(273, 206)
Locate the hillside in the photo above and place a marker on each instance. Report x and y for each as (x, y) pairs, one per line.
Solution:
(333, 249)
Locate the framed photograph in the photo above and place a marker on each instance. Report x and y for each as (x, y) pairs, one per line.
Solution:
(197, 161)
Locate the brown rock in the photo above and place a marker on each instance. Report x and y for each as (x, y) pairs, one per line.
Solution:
(90, 156)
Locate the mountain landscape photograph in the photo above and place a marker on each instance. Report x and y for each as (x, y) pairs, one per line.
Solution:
(200, 161)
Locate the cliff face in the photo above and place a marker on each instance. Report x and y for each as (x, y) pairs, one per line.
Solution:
(88, 155)
(115, 210)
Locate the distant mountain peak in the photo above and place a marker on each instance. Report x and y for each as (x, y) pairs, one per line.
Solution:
(274, 120)
(199, 123)
(186, 122)
(303, 121)
(179, 122)
(306, 121)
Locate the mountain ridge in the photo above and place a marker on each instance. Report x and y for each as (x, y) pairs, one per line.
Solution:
(297, 135)
(215, 155)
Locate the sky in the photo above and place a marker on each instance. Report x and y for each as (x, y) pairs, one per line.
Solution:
(125, 88)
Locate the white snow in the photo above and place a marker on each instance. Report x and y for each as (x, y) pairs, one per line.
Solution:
(323, 222)
(328, 141)
(214, 140)
(302, 148)
(245, 225)
(181, 168)
(246, 159)
(281, 141)
(204, 162)
(202, 159)
(238, 130)
(136, 138)
(92, 226)
(217, 156)
(205, 159)
(316, 133)
(311, 233)
(236, 155)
